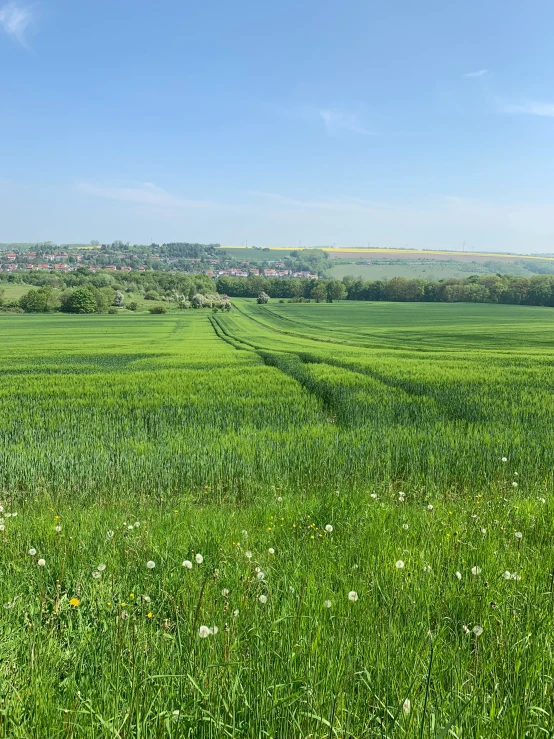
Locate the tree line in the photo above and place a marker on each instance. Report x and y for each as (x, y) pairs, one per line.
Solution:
(515, 290)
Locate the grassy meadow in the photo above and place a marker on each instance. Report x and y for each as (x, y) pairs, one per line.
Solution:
(292, 520)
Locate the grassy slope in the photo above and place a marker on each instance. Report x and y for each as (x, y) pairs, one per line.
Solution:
(311, 415)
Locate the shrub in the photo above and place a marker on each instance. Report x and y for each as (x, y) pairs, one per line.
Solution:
(158, 309)
(151, 295)
(133, 305)
(113, 311)
(263, 298)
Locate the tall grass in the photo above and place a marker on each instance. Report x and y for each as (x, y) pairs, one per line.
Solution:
(302, 470)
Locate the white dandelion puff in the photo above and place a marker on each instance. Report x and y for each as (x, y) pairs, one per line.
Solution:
(458, 575)
(427, 568)
(187, 564)
(507, 575)
(373, 495)
(353, 596)
(2, 527)
(514, 484)
(110, 534)
(329, 528)
(203, 632)
(101, 567)
(518, 535)
(32, 551)
(236, 613)
(225, 592)
(327, 603)
(248, 555)
(150, 564)
(271, 550)
(260, 575)
(504, 459)
(263, 599)
(477, 630)
(137, 524)
(484, 531)
(41, 562)
(405, 526)
(407, 706)
(199, 559)
(475, 570)
(279, 499)
(130, 528)
(96, 575)
(429, 507)
(399, 564)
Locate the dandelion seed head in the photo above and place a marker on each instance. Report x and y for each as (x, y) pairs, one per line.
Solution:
(236, 612)
(203, 632)
(260, 575)
(225, 592)
(110, 534)
(263, 599)
(405, 526)
(150, 564)
(518, 535)
(458, 575)
(427, 568)
(279, 499)
(504, 459)
(57, 529)
(429, 507)
(101, 567)
(137, 524)
(96, 575)
(407, 706)
(248, 555)
(353, 596)
(32, 551)
(475, 570)
(187, 564)
(399, 564)
(514, 484)
(327, 603)
(199, 559)
(2, 527)
(477, 630)
(373, 495)
(329, 528)
(271, 550)
(41, 562)
(507, 575)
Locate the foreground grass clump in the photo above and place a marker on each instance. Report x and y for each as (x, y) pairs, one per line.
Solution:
(375, 614)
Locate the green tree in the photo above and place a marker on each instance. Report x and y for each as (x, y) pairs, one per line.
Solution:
(263, 298)
(319, 292)
(80, 300)
(336, 290)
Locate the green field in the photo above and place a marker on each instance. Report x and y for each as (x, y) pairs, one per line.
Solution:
(421, 436)
(429, 269)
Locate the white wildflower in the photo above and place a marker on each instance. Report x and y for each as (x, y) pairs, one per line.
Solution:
(475, 570)
(458, 575)
(407, 706)
(236, 613)
(504, 459)
(101, 567)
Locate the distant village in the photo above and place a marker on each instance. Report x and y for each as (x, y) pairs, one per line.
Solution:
(142, 259)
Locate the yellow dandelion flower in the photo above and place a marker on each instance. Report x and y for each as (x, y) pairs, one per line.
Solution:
(123, 605)
(74, 602)
(150, 615)
(131, 595)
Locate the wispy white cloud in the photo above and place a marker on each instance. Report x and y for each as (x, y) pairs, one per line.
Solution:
(337, 120)
(478, 73)
(15, 19)
(146, 194)
(527, 107)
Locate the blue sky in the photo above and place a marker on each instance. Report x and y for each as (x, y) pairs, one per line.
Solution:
(424, 124)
